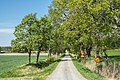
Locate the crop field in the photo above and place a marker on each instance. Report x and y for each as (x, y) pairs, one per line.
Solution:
(8, 63)
(115, 52)
(112, 54)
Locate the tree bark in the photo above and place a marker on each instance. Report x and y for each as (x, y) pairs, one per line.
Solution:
(39, 49)
(29, 56)
(106, 56)
(97, 51)
(88, 51)
(49, 51)
(38, 56)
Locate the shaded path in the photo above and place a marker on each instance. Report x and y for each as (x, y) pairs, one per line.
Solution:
(66, 71)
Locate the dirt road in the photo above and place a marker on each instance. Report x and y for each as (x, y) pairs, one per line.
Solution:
(66, 71)
(21, 54)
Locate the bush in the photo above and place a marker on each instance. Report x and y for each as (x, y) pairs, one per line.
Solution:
(62, 55)
(43, 63)
(50, 59)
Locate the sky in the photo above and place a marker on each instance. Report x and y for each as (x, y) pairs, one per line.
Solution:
(12, 12)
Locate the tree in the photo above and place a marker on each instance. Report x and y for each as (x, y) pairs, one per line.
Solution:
(57, 16)
(17, 46)
(85, 23)
(23, 34)
(40, 34)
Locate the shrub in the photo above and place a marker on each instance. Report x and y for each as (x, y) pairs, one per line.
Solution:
(43, 63)
(62, 55)
(50, 59)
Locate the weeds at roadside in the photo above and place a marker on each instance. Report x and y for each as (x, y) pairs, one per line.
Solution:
(87, 73)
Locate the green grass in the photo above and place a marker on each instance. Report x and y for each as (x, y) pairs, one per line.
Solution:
(31, 73)
(8, 63)
(113, 52)
(113, 55)
(90, 75)
(47, 71)
(16, 66)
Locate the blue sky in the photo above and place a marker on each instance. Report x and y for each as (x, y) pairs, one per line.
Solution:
(12, 12)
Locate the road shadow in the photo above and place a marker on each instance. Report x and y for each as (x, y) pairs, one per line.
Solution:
(66, 60)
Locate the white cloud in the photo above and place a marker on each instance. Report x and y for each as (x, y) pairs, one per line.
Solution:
(7, 30)
(11, 23)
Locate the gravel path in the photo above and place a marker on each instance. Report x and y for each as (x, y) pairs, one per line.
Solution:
(66, 71)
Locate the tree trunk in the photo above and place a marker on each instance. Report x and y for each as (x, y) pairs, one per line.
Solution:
(97, 52)
(29, 56)
(106, 56)
(38, 56)
(39, 49)
(49, 51)
(88, 51)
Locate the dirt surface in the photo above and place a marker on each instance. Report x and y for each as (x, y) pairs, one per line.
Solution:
(66, 71)
(20, 54)
(17, 78)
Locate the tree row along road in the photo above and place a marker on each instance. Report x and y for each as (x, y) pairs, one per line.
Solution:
(66, 71)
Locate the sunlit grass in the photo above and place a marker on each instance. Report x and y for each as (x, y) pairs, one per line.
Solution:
(88, 74)
(17, 67)
(8, 63)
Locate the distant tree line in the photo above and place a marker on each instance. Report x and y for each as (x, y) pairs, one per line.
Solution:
(5, 49)
(0, 49)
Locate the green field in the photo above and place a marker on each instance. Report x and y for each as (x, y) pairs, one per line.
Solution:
(8, 63)
(112, 54)
(115, 52)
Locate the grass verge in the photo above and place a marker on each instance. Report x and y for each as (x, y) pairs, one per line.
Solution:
(33, 71)
(47, 71)
(88, 74)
